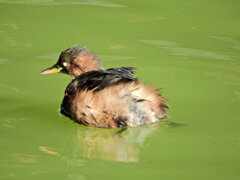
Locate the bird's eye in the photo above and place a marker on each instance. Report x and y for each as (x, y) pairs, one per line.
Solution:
(65, 64)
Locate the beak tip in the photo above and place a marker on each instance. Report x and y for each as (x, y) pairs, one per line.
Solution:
(52, 70)
(43, 72)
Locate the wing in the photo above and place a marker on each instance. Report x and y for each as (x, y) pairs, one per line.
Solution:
(95, 80)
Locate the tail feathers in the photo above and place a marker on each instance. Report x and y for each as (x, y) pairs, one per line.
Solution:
(144, 104)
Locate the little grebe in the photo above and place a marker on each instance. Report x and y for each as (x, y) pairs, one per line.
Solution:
(105, 98)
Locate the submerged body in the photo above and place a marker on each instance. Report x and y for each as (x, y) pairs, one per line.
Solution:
(106, 98)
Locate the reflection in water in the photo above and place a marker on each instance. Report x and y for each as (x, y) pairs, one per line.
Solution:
(49, 150)
(96, 143)
(25, 158)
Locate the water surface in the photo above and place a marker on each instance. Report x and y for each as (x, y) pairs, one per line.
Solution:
(190, 49)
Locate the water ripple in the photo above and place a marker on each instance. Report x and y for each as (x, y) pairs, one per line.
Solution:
(225, 38)
(114, 58)
(62, 2)
(174, 48)
(49, 56)
(199, 53)
(235, 43)
(3, 61)
(159, 42)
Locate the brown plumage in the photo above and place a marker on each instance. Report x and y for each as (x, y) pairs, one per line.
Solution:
(105, 98)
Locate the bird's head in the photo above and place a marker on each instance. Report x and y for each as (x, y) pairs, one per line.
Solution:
(75, 61)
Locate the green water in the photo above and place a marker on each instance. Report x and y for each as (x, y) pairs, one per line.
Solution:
(191, 49)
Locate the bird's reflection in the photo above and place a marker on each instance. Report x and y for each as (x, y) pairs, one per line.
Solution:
(109, 144)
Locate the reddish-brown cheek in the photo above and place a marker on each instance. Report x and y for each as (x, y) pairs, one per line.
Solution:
(82, 64)
(74, 70)
(77, 72)
(69, 70)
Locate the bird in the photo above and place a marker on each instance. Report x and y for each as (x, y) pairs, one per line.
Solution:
(111, 98)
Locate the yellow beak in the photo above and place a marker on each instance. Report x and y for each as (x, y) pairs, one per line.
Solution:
(52, 70)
